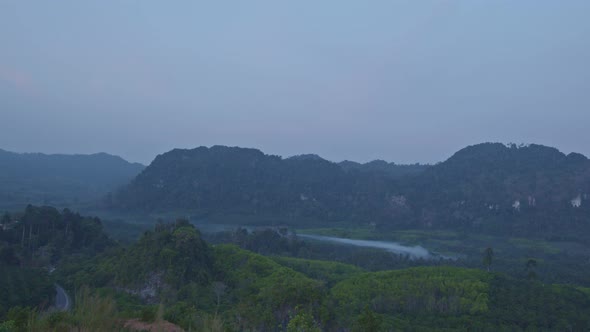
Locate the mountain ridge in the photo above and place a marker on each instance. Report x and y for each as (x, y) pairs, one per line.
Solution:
(33, 178)
(488, 187)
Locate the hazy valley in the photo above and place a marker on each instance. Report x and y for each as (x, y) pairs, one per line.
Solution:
(320, 230)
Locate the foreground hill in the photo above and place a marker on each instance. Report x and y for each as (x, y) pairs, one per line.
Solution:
(172, 274)
(33, 241)
(456, 299)
(33, 178)
(488, 187)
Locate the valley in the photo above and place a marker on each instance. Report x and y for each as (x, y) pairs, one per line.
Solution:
(294, 166)
(231, 239)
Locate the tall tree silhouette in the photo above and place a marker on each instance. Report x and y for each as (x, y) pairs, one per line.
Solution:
(488, 255)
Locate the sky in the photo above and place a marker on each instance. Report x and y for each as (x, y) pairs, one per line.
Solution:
(404, 81)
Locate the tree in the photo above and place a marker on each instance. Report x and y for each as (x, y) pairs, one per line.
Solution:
(368, 321)
(219, 289)
(531, 264)
(5, 219)
(8, 256)
(302, 322)
(488, 255)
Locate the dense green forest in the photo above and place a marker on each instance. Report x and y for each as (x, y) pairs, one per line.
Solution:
(173, 277)
(491, 188)
(42, 236)
(559, 260)
(32, 243)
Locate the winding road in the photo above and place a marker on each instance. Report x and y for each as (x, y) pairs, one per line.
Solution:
(62, 300)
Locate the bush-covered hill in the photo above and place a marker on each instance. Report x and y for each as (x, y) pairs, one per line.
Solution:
(248, 291)
(172, 274)
(32, 243)
(36, 178)
(491, 187)
(42, 236)
(426, 298)
(174, 266)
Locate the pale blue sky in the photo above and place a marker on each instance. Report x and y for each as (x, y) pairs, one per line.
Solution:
(405, 81)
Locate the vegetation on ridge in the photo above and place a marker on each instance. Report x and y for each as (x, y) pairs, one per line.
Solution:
(488, 188)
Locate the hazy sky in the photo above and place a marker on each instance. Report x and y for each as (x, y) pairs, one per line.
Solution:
(405, 81)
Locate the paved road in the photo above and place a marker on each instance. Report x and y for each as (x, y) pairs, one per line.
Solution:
(62, 300)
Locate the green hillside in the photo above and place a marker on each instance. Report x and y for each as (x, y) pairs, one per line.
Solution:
(172, 276)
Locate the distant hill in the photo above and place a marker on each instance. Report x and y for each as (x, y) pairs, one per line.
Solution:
(36, 178)
(505, 188)
(241, 181)
(488, 187)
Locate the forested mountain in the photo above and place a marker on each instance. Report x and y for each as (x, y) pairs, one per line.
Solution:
(33, 178)
(247, 182)
(488, 187)
(505, 188)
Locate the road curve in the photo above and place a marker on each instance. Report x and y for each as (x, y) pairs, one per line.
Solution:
(62, 300)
